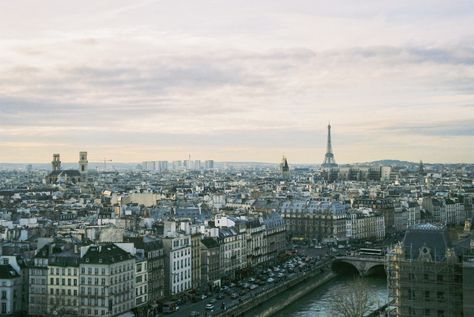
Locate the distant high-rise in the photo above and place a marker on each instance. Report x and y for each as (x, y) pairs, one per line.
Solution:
(329, 161)
(209, 164)
(421, 168)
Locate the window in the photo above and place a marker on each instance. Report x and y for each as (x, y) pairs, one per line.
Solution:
(4, 294)
(427, 312)
(440, 313)
(440, 296)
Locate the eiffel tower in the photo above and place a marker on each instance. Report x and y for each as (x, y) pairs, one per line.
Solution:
(329, 161)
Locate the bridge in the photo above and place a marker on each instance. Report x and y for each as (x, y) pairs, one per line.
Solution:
(365, 265)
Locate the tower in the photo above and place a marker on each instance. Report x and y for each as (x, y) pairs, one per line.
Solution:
(285, 169)
(56, 163)
(329, 161)
(421, 168)
(83, 162)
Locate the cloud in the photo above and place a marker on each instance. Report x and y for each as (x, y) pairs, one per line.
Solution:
(438, 129)
(217, 74)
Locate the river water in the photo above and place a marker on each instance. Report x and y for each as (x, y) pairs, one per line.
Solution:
(318, 302)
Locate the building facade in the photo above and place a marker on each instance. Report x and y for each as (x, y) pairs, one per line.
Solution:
(178, 265)
(107, 281)
(425, 274)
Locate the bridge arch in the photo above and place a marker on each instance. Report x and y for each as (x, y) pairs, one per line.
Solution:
(344, 267)
(358, 266)
(376, 269)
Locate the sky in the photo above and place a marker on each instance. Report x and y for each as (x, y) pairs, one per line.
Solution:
(237, 80)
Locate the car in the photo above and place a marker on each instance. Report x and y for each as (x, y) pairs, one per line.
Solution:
(194, 314)
(203, 296)
(253, 286)
(209, 307)
(270, 280)
(234, 295)
(212, 301)
(251, 280)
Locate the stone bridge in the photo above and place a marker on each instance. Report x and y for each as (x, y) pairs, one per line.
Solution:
(365, 265)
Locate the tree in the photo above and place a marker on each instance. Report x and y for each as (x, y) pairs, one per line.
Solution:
(354, 301)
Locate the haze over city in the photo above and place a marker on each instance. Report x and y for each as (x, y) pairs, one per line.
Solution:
(237, 80)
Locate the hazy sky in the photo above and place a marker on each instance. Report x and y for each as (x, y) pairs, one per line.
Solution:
(236, 80)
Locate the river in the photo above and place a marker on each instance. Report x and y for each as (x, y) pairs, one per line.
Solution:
(318, 302)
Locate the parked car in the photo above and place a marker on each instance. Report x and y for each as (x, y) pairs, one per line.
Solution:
(209, 307)
(234, 295)
(194, 314)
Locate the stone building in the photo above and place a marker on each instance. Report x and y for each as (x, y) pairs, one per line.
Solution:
(210, 258)
(314, 221)
(425, 274)
(107, 285)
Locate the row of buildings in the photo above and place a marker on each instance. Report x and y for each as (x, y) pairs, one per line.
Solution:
(68, 277)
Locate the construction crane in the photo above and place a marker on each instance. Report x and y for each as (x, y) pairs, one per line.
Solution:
(105, 163)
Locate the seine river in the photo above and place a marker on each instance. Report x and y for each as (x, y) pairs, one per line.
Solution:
(318, 302)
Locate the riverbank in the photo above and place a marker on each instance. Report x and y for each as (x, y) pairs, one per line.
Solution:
(299, 286)
(295, 293)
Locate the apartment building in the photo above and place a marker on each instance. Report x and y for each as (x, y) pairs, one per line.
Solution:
(107, 281)
(177, 246)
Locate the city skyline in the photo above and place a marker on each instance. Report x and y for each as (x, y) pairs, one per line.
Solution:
(237, 82)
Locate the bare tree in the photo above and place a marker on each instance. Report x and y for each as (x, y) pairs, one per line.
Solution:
(354, 301)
